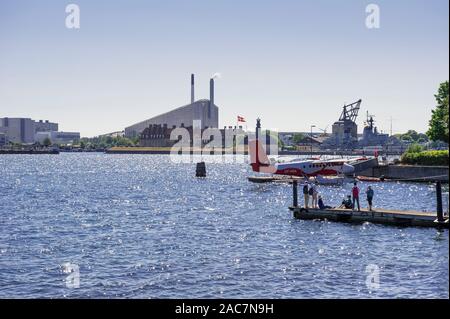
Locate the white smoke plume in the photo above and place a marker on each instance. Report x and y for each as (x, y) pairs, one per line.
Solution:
(216, 76)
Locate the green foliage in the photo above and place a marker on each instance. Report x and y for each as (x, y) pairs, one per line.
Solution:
(412, 137)
(433, 158)
(298, 138)
(47, 142)
(438, 125)
(104, 142)
(414, 148)
(274, 138)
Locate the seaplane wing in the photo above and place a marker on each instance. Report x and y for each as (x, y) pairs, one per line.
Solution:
(312, 167)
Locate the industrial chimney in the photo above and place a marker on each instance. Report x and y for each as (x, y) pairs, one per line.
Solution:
(211, 96)
(192, 89)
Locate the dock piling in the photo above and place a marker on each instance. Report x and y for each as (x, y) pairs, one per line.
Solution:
(295, 194)
(440, 212)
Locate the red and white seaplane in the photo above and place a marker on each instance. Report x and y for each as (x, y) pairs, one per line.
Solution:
(302, 168)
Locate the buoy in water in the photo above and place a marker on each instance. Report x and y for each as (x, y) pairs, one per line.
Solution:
(200, 170)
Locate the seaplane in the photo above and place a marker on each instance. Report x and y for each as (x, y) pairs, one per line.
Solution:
(302, 168)
(307, 168)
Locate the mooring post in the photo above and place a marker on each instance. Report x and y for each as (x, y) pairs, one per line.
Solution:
(295, 194)
(440, 212)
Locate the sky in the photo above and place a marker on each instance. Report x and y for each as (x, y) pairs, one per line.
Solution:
(292, 63)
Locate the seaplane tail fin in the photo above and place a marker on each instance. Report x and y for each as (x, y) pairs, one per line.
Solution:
(258, 158)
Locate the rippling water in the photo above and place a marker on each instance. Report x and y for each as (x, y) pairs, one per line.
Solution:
(143, 227)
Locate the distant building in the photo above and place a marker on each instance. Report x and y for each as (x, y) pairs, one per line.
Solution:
(344, 133)
(204, 110)
(159, 136)
(28, 131)
(18, 130)
(3, 139)
(45, 126)
(304, 143)
(395, 145)
(57, 137)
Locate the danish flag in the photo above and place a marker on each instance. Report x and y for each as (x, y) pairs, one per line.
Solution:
(240, 119)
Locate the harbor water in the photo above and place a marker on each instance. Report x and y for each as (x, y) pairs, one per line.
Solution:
(140, 226)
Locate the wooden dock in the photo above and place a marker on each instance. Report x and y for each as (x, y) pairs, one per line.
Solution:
(274, 179)
(378, 216)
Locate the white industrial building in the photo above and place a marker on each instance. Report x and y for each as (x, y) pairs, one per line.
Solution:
(28, 131)
(45, 126)
(57, 137)
(204, 110)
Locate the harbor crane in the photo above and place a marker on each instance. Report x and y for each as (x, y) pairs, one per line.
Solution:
(350, 111)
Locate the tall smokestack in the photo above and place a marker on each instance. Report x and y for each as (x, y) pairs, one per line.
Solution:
(211, 96)
(192, 89)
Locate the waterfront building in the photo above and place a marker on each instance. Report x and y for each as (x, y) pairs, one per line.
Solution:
(301, 140)
(28, 131)
(157, 135)
(203, 110)
(3, 139)
(18, 130)
(45, 126)
(23, 130)
(57, 137)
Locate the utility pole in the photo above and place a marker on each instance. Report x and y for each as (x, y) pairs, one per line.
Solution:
(391, 119)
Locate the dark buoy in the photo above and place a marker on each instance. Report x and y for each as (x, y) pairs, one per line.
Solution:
(200, 170)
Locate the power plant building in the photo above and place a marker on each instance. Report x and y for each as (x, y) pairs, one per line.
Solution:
(45, 126)
(18, 130)
(201, 110)
(27, 131)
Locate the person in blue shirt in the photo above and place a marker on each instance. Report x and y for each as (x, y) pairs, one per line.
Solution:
(321, 204)
(347, 203)
(369, 194)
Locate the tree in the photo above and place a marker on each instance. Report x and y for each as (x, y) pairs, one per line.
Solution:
(438, 125)
(414, 135)
(298, 138)
(47, 142)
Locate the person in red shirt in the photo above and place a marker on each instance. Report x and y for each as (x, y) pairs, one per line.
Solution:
(355, 195)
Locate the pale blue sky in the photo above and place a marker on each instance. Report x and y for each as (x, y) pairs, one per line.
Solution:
(293, 63)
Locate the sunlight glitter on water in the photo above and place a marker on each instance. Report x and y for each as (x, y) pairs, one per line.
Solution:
(142, 229)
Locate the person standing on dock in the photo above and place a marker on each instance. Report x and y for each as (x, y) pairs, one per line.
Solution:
(355, 194)
(306, 194)
(369, 194)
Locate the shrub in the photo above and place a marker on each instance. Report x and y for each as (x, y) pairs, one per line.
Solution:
(414, 148)
(433, 158)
